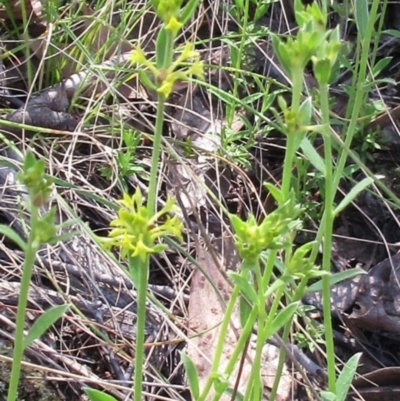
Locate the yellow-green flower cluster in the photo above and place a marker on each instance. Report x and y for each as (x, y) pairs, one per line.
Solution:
(33, 176)
(164, 79)
(273, 233)
(168, 11)
(137, 233)
(312, 42)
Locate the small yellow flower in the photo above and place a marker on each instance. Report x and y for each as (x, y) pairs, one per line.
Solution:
(188, 52)
(173, 25)
(166, 86)
(136, 233)
(197, 69)
(138, 56)
(142, 250)
(168, 207)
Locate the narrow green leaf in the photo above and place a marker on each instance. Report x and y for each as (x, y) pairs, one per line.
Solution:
(161, 46)
(336, 278)
(275, 192)
(362, 16)
(327, 396)
(346, 377)
(13, 236)
(312, 155)
(237, 223)
(244, 310)
(335, 35)
(371, 84)
(275, 285)
(268, 101)
(392, 32)
(96, 395)
(146, 81)
(240, 4)
(305, 110)
(380, 65)
(188, 11)
(284, 54)
(299, 13)
(261, 9)
(356, 190)
(245, 287)
(252, 98)
(192, 375)
(234, 53)
(44, 322)
(281, 319)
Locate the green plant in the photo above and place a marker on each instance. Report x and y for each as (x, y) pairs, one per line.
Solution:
(252, 289)
(235, 146)
(309, 186)
(314, 335)
(313, 42)
(137, 230)
(42, 230)
(366, 143)
(258, 244)
(344, 381)
(323, 68)
(126, 159)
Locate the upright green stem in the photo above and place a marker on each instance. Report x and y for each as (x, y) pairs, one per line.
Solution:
(246, 332)
(237, 67)
(291, 140)
(30, 254)
(288, 164)
(136, 264)
(269, 267)
(299, 292)
(254, 385)
(142, 268)
(297, 83)
(327, 245)
(281, 362)
(169, 51)
(378, 33)
(240, 346)
(263, 333)
(151, 200)
(221, 341)
(356, 103)
(360, 93)
(27, 47)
